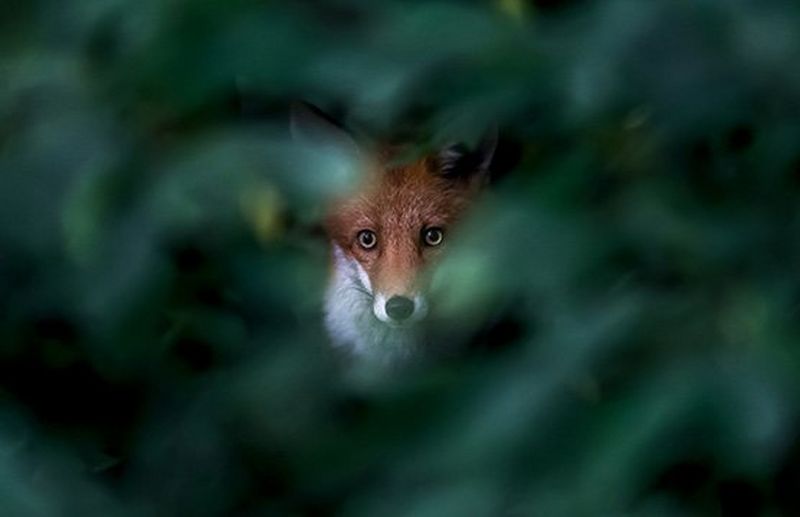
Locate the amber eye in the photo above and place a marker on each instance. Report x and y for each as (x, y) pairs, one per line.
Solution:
(367, 239)
(433, 236)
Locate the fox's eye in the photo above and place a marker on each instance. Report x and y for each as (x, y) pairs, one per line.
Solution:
(433, 236)
(367, 239)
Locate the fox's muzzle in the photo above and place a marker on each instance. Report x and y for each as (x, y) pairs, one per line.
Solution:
(399, 309)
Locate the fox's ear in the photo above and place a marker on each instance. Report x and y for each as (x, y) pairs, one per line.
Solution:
(310, 125)
(457, 161)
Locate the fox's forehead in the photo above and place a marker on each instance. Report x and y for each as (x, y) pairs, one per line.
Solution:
(400, 197)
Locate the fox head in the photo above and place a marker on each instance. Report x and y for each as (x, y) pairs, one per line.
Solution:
(387, 233)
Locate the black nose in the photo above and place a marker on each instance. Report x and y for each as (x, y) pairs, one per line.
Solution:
(399, 307)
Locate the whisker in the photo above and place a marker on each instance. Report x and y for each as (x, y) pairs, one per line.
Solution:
(362, 290)
(367, 293)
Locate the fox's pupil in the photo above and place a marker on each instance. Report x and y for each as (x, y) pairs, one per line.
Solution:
(367, 239)
(433, 236)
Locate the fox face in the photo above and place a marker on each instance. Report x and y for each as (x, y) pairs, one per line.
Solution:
(385, 237)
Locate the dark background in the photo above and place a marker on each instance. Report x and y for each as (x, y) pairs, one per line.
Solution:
(629, 288)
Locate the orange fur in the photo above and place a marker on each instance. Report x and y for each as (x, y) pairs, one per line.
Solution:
(398, 203)
(375, 299)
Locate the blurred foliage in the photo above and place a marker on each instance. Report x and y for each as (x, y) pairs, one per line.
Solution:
(628, 293)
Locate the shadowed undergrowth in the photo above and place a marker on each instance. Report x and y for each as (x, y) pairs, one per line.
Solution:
(625, 296)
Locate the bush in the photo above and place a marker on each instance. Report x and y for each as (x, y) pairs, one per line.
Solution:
(635, 268)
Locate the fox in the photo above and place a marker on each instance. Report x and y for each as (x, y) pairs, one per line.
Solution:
(387, 234)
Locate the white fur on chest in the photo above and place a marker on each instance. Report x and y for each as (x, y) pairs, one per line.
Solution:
(350, 320)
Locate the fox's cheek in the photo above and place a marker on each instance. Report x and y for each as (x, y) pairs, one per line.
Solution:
(363, 277)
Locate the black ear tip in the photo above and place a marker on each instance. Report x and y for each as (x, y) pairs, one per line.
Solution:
(309, 125)
(458, 161)
(302, 111)
(310, 122)
(297, 107)
(304, 107)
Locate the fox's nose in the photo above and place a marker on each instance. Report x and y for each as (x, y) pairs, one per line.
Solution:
(399, 307)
